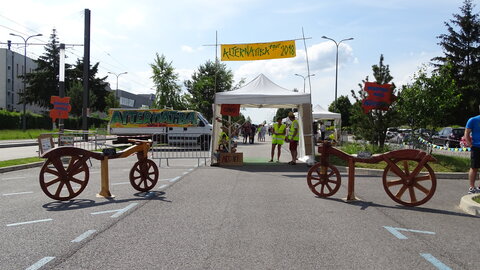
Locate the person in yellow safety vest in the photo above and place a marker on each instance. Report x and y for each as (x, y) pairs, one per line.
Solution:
(223, 141)
(293, 138)
(278, 137)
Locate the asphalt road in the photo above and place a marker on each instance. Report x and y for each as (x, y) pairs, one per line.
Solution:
(251, 217)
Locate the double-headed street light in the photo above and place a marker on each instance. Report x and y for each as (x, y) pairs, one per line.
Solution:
(117, 75)
(304, 79)
(336, 65)
(24, 120)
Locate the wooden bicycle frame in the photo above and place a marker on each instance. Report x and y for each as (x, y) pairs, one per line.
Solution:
(326, 149)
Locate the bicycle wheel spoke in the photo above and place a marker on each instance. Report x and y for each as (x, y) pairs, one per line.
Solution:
(413, 198)
(405, 167)
(59, 189)
(394, 182)
(56, 180)
(400, 192)
(421, 188)
(48, 170)
(423, 178)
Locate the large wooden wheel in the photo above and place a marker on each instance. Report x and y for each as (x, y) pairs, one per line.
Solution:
(144, 175)
(323, 184)
(404, 186)
(64, 177)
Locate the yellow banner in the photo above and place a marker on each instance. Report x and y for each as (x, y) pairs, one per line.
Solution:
(258, 51)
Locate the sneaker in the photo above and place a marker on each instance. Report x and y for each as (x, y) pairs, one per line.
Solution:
(473, 190)
(271, 160)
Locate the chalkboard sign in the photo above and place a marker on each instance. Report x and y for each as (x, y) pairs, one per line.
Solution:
(45, 143)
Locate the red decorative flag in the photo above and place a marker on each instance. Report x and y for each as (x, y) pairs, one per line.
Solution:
(230, 109)
(61, 107)
(379, 96)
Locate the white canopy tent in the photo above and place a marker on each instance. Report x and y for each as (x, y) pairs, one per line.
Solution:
(261, 92)
(319, 113)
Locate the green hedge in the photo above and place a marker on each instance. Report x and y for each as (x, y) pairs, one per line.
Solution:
(13, 120)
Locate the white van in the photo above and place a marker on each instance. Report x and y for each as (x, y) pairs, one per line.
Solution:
(162, 125)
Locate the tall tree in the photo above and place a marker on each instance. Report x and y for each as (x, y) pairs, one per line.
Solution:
(210, 78)
(461, 47)
(75, 92)
(43, 81)
(429, 101)
(373, 125)
(97, 86)
(168, 92)
(344, 107)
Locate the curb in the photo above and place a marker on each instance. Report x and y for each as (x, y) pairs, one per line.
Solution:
(21, 167)
(469, 206)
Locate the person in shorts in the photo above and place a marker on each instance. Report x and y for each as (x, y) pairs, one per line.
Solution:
(278, 137)
(472, 138)
(293, 138)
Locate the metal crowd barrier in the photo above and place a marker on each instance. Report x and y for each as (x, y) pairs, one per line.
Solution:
(181, 146)
(86, 140)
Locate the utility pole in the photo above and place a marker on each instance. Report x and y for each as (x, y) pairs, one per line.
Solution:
(86, 68)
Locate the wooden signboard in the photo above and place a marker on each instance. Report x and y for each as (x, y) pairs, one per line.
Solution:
(45, 143)
(231, 159)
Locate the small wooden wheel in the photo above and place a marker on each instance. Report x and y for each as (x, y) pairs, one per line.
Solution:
(398, 179)
(144, 175)
(323, 184)
(64, 177)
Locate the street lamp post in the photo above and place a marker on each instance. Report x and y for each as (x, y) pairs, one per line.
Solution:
(304, 79)
(336, 65)
(117, 75)
(24, 120)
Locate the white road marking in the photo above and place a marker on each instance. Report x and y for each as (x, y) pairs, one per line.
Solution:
(29, 222)
(17, 193)
(174, 179)
(122, 183)
(162, 186)
(118, 213)
(40, 263)
(83, 236)
(14, 178)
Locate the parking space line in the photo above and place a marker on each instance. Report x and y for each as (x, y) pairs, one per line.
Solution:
(83, 236)
(122, 183)
(118, 213)
(174, 179)
(14, 178)
(29, 222)
(40, 263)
(17, 193)
(162, 186)
(438, 264)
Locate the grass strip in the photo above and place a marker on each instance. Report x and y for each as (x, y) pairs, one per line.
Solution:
(19, 161)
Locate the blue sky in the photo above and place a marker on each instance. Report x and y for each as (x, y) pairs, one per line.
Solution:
(126, 35)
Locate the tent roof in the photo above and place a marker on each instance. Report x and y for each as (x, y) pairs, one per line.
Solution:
(261, 92)
(320, 113)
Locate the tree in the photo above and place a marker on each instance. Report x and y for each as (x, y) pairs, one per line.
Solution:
(42, 83)
(282, 112)
(461, 46)
(344, 107)
(210, 78)
(429, 101)
(97, 86)
(165, 80)
(373, 125)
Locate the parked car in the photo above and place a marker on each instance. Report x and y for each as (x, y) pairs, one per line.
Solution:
(449, 137)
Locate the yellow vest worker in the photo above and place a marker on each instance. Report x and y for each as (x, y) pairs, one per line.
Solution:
(278, 136)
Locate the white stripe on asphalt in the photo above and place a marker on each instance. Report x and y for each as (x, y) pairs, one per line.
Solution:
(122, 183)
(119, 211)
(83, 236)
(162, 186)
(15, 178)
(29, 222)
(40, 263)
(174, 179)
(18, 193)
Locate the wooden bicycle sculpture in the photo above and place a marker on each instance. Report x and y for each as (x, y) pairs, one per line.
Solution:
(407, 178)
(65, 173)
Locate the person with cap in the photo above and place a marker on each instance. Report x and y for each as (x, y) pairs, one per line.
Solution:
(278, 137)
(293, 137)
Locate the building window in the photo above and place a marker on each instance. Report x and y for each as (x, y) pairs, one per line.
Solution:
(9, 67)
(17, 70)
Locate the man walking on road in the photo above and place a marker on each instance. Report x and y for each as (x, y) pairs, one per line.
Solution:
(473, 128)
(293, 138)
